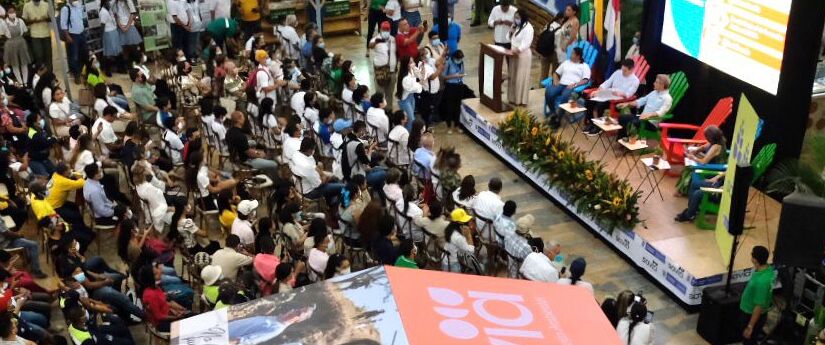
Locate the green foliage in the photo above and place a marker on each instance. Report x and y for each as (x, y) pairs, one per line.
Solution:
(587, 184)
(803, 175)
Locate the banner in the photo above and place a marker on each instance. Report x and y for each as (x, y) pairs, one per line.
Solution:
(156, 32)
(337, 8)
(378, 306)
(744, 135)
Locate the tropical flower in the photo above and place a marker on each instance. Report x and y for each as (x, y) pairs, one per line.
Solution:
(534, 131)
(617, 201)
(588, 174)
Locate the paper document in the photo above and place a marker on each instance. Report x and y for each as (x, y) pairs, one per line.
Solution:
(604, 95)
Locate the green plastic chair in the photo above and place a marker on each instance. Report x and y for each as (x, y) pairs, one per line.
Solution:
(760, 165)
(678, 87)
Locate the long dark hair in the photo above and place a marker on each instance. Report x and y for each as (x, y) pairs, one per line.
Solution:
(450, 229)
(715, 136)
(525, 19)
(408, 195)
(414, 141)
(123, 237)
(333, 262)
(47, 80)
(467, 187)
(575, 9)
(265, 109)
(192, 169)
(638, 312)
(577, 268)
(403, 70)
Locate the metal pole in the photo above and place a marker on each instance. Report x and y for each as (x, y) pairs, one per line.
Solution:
(730, 265)
(62, 57)
(318, 9)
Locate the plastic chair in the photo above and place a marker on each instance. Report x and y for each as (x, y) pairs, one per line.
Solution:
(589, 56)
(678, 87)
(675, 147)
(708, 206)
(640, 71)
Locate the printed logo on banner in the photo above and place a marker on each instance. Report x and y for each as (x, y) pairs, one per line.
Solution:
(676, 270)
(649, 248)
(742, 275)
(652, 262)
(469, 111)
(494, 129)
(695, 296)
(707, 280)
(482, 132)
(675, 283)
(623, 239)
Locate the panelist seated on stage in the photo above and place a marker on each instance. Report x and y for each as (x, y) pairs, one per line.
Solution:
(654, 105)
(622, 84)
(569, 75)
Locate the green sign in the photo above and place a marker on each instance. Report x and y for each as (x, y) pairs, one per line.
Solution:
(156, 32)
(277, 14)
(337, 8)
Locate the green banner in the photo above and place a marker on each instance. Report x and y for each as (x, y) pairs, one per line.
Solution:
(277, 14)
(741, 149)
(337, 8)
(156, 32)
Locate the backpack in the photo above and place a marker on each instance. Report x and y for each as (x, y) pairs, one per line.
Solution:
(63, 33)
(547, 41)
(252, 79)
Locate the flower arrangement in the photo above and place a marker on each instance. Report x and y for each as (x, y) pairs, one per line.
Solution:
(594, 192)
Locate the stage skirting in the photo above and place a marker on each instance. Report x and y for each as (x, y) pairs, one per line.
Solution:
(681, 283)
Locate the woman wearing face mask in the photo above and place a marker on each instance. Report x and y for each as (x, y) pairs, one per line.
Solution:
(453, 90)
(111, 38)
(431, 71)
(61, 114)
(406, 87)
(16, 51)
(633, 51)
(319, 52)
(103, 100)
(521, 58)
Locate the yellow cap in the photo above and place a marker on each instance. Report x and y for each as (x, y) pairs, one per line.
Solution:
(260, 54)
(461, 216)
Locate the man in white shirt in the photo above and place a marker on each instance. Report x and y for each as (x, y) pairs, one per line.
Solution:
(297, 100)
(242, 226)
(377, 119)
(179, 22)
(285, 29)
(315, 182)
(102, 130)
(196, 26)
(265, 85)
(292, 142)
(501, 21)
(538, 265)
(229, 259)
(571, 74)
(384, 60)
(622, 84)
(488, 203)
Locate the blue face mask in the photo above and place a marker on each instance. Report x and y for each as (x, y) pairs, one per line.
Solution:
(322, 45)
(42, 121)
(458, 61)
(80, 277)
(436, 42)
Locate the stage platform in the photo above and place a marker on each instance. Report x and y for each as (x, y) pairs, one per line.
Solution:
(681, 257)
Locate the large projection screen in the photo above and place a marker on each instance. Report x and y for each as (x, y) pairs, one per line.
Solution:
(743, 38)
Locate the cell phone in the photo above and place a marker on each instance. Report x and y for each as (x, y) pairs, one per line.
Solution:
(649, 317)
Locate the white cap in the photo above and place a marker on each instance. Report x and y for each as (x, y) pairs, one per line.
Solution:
(246, 207)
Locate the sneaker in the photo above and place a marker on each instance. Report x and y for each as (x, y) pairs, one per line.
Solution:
(682, 217)
(587, 129)
(593, 132)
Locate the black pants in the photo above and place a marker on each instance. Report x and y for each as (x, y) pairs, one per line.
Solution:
(179, 202)
(756, 334)
(428, 102)
(178, 37)
(595, 107)
(374, 19)
(451, 103)
(250, 28)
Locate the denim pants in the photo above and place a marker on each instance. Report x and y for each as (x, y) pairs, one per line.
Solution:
(32, 251)
(327, 190)
(414, 18)
(32, 326)
(119, 302)
(192, 43)
(376, 177)
(374, 18)
(407, 105)
(113, 331)
(555, 95)
(178, 37)
(78, 53)
(695, 194)
(268, 167)
(96, 264)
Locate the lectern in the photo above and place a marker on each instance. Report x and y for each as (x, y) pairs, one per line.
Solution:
(491, 63)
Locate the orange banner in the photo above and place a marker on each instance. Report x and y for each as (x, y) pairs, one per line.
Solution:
(448, 308)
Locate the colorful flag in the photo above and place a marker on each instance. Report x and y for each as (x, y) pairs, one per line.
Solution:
(612, 23)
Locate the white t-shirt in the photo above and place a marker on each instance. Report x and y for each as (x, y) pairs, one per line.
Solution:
(317, 260)
(410, 86)
(106, 136)
(310, 115)
(384, 53)
(400, 155)
(431, 86)
(107, 19)
(243, 230)
(157, 205)
(206, 7)
(538, 267)
(123, 10)
(395, 6)
(642, 332)
(263, 79)
(203, 180)
(376, 117)
(501, 33)
(305, 167)
(85, 158)
(488, 205)
(297, 102)
(223, 9)
(176, 8)
(572, 73)
(290, 147)
(582, 283)
(60, 111)
(173, 140)
(618, 82)
(290, 40)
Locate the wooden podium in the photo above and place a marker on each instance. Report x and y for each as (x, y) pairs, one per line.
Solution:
(491, 63)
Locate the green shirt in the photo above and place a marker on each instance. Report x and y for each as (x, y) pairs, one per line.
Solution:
(377, 4)
(222, 27)
(759, 291)
(404, 262)
(211, 293)
(143, 95)
(94, 79)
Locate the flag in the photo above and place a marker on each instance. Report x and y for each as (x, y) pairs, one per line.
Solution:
(612, 23)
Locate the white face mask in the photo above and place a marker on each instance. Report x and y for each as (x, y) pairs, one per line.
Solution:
(345, 271)
(385, 34)
(181, 125)
(143, 59)
(268, 61)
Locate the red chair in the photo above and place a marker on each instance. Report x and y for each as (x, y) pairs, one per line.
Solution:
(640, 69)
(674, 148)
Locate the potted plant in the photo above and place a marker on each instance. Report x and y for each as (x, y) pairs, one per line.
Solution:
(632, 134)
(574, 98)
(657, 155)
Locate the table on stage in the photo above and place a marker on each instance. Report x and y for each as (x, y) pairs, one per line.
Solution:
(572, 110)
(607, 128)
(629, 157)
(650, 176)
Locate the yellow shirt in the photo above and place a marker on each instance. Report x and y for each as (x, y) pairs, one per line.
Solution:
(42, 209)
(61, 186)
(228, 217)
(94, 79)
(249, 10)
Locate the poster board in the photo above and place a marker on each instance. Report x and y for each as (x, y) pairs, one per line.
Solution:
(156, 32)
(744, 135)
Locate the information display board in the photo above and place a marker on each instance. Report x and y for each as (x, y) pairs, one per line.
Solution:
(743, 38)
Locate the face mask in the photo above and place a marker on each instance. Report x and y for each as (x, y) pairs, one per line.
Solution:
(143, 59)
(181, 126)
(436, 42)
(322, 45)
(42, 121)
(96, 65)
(80, 277)
(297, 215)
(517, 21)
(431, 61)
(7, 70)
(1, 74)
(268, 61)
(456, 60)
(385, 34)
(75, 3)
(6, 103)
(635, 40)
(345, 271)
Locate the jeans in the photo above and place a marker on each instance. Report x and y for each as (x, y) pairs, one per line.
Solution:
(631, 119)
(96, 264)
(78, 53)
(376, 178)
(414, 18)
(70, 213)
(121, 101)
(327, 190)
(42, 50)
(407, 105)
(119, 302)
(112, 331)
(695, 195)
(269, 167)
(374, 18)
(555, 95)
(32, 326)
(42, 168)
(32, 250)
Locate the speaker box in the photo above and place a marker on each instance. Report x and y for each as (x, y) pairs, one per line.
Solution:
(739, 199)
(800, 240)
(719, 316)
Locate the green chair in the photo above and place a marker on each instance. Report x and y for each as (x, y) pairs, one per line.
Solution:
(760, 165)
(678, 87)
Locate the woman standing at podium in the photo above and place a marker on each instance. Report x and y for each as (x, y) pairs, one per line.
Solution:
(521, 37)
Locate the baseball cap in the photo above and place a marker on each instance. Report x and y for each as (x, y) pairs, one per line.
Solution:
(461, 216)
